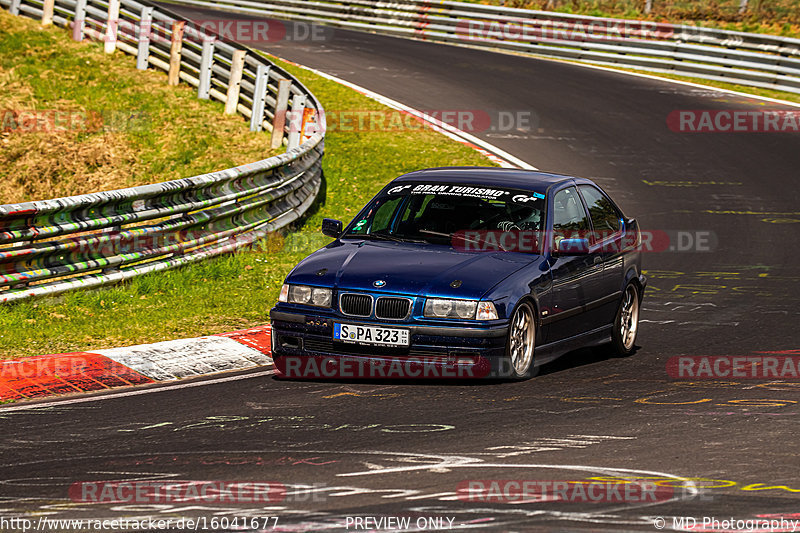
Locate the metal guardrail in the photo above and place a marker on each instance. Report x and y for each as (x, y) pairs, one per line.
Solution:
(756, 60)
(51, 246)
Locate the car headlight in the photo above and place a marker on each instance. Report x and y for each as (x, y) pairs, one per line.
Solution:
(464, 309)
(303, 294)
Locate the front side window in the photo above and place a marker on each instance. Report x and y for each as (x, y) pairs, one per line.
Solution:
(570, 220)
(568, 213)
(378, 218)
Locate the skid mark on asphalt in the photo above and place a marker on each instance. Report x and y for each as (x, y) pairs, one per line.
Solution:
(275, 423)
(344, 394)
(551, 444)
(136, 392)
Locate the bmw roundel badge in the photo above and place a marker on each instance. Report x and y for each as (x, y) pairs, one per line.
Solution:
(379, 283)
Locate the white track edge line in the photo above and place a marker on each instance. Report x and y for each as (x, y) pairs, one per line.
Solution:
(619, 70)
(136, 392)
(682, 82)
(438, 125)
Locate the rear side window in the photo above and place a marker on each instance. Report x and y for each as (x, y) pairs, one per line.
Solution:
(605, 217)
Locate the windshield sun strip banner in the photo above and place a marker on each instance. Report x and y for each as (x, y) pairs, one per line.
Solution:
(470, 191)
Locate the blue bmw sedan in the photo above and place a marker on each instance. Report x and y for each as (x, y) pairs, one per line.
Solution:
(463, 272)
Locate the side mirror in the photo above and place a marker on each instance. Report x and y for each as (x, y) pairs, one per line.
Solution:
(572, 247)
(331, 227)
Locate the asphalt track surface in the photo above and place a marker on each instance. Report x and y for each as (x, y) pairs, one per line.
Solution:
(729, 448)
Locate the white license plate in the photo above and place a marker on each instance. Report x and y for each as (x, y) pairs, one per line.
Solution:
(370, 335)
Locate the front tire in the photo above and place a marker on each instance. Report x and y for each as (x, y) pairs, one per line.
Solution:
(626, 323)
(521, 343)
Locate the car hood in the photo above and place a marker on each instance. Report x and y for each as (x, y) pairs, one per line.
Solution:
(407, 268)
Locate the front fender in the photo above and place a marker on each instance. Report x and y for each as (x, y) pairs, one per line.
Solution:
(532, 283)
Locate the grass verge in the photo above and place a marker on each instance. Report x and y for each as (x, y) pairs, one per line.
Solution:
(777, 17)
(75, 120)
(235, 291)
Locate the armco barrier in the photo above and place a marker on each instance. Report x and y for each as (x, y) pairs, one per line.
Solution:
(750, 59)
(51, 246)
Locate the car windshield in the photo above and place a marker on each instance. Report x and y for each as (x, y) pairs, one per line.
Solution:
(460, 215)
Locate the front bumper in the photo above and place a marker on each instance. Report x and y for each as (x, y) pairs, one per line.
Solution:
(311, 334)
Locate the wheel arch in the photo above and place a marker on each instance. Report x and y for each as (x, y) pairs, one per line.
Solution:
(534, 303)
(632, 275)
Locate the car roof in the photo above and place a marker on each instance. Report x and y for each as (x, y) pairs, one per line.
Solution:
(513, 178)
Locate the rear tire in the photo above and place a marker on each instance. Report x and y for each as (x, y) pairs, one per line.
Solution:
(626, 323)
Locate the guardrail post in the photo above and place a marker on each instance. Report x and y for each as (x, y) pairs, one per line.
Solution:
(742, 6)
(237, 65)
(279, 118)
(79, 22)
(296, 122)
(259, 98)
(14, 7)
(47, 12)
(145, 26)
(23, 283)
(111, 26)
(175, 48)
(112, 230)
(206, 62)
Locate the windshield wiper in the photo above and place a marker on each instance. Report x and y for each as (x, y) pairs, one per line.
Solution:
(451, 235)
(385, 237)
